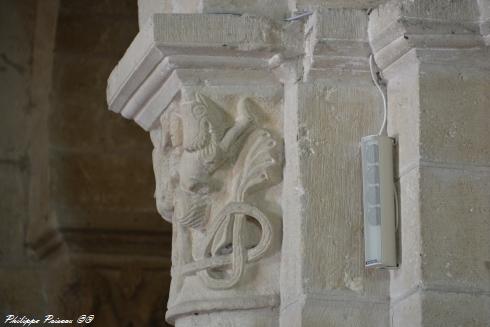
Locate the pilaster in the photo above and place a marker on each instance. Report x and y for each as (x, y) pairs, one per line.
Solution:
(436, 65)
(328, 110)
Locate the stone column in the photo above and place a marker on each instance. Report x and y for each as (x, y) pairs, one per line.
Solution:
(200, 84)
(256, 123)
(436, 65)
(323, 280)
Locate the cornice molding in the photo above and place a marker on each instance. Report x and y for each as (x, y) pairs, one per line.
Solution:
(336, 40)
(149, 70)
(395, 29)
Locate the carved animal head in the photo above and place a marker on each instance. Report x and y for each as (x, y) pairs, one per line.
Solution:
(203, 121)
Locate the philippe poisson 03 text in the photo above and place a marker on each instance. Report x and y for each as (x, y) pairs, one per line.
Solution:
(47, 319)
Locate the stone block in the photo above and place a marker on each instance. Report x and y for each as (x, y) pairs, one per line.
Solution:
(403, 113)
(463, 10)
(313, 4)
(441, 309)
(147, 8)
(333, 116)
(242, 32)
(454, 116)
(407, 312)
(272, 8)
(277, 9)
(336, 40)
(343, 24)
(408, 276)
(456, 228)
(245, 318)
(325, 312)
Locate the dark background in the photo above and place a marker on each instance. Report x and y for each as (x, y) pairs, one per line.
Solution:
(79, 231)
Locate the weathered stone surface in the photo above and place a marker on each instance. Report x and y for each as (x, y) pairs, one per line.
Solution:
(314, 4)
(409, 275)
(272, 8)
(439, 308)
(457, 202)
(336, 40)
(245, 318)
(404, 112)
(484, 7)
(277, 9)
(455, 309)
(247, 129)
(147, 8)
(454, 115)
(407, 310)
(437, 93)
(324, 312)
(321, 232)
(333, 116)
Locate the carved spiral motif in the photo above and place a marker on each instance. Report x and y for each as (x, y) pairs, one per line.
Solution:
(237, 212)
(257, 161)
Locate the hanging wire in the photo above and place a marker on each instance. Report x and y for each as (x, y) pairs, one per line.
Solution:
(382, 130)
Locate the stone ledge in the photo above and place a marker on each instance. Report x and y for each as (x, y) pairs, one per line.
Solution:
(172, 41)
(336, 39)
(358, 4)
(214, 305)
(395, 30)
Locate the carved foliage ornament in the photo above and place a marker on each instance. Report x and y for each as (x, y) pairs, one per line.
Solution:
(198, 140)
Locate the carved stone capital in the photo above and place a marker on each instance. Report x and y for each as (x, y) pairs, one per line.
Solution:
(212, 106)
(218, 170)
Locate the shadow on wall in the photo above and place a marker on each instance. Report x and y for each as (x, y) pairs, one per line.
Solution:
(80, 233)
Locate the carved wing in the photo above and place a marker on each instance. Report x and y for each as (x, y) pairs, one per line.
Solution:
(257, 164)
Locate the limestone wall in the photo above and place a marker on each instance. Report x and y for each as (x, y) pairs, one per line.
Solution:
(434, 61)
